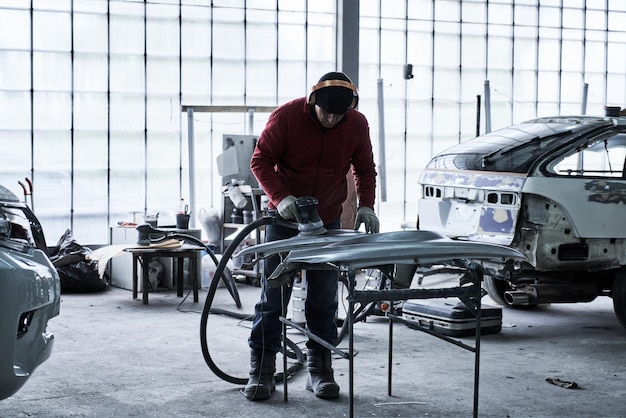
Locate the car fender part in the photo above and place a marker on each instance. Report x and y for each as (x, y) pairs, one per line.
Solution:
(30, 296)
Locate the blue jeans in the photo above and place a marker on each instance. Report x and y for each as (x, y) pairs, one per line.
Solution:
(320, 306)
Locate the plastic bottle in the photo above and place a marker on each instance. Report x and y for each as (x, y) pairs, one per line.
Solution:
(182, 206)
(235, 196)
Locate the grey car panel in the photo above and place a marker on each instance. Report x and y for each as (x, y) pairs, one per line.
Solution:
(30, 294)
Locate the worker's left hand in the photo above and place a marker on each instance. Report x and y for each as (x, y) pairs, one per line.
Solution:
(368, 217)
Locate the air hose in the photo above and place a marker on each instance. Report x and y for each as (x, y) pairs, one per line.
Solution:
(206, 310)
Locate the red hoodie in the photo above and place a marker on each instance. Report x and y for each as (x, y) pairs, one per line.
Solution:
(295, 155)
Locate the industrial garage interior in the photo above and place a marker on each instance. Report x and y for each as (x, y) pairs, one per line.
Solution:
(118, 113)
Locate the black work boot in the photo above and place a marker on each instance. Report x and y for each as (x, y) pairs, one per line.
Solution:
(321, 380)
(261, 381)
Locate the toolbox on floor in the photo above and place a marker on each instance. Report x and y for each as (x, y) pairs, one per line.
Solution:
(451, 317)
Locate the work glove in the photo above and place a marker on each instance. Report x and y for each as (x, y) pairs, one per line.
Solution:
(287, 208)
(368, 217)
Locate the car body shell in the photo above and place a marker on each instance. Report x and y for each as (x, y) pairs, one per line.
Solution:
(29, 294)
(529, 187)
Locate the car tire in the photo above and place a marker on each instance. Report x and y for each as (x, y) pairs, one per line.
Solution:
(619, 295)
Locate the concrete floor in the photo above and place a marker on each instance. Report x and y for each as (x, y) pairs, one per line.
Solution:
(114, 356)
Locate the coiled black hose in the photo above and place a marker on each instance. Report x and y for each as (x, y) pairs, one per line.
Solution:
(206, 310)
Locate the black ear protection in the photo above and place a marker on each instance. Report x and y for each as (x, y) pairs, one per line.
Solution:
(335, 83)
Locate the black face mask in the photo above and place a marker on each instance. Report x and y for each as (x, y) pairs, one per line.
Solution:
(335, 100)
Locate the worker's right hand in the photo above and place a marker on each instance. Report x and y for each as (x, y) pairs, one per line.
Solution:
(287, 208)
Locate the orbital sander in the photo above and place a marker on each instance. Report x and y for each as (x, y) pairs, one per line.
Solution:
(309, 221)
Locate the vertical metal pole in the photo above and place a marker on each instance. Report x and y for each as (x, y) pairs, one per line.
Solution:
(348, 15)
(405, 148)
(250, 121)
(382, 170)
(32, 102)
(487, 107)
(390, 354)
(145, 107)
(477, 275)
(192, 168)
(180, 88)
(351, 286)
(585, 94)
(72, 118)
(478, 115)
(284, 334)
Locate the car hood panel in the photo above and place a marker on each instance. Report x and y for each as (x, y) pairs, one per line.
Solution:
(402, 247)
(299, 242)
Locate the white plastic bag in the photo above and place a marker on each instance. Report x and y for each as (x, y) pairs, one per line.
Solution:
(210, 221)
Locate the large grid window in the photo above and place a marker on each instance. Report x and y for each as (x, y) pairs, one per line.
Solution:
(92, 90)
(516, 59)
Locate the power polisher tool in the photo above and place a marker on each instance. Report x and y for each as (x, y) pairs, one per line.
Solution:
(144, 231)
(309, 221)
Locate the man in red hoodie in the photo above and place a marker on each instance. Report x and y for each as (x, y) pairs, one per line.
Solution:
(306, 149)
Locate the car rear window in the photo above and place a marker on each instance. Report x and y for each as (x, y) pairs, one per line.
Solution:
(515, 148)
